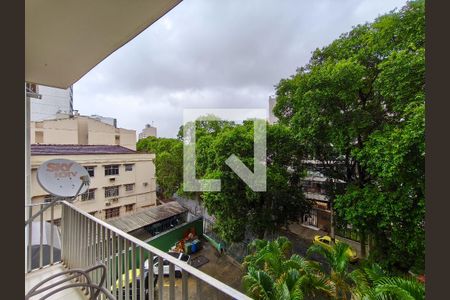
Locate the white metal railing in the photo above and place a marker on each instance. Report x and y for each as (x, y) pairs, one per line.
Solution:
(88, 241)
(51, 244)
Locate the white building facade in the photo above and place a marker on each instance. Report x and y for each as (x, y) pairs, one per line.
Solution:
(52, 102)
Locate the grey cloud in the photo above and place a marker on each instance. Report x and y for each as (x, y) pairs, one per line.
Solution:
(214, 54)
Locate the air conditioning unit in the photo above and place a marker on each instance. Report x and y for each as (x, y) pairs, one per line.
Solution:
(112, 179)
(107, 203)
(115, 200)
(145, 183)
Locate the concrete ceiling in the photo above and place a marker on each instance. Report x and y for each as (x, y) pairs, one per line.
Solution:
(65, 39)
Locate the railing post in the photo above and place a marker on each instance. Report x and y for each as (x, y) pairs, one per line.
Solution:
(77, 229)
(160, 277)
(133, 271)
(85, 253)
(106, 257)
(199, 289)
(30, 241)
(41, 237)
(127, 267)
(151, 277)
(69, 234)
(184, 288)
(171, 281)
(52, 233)
(141, 277)
(120, 257)
(113, 262)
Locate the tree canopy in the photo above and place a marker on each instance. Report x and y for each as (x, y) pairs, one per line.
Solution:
(237, 208)
(359, 103)
(168, 162)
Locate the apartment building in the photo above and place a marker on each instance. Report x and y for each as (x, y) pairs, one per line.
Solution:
(122, 180)
(315, 189)
(149, 130)
(50, 102)
(80, 130)
(108, 120)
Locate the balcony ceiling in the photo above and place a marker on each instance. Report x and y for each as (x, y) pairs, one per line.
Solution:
(65, 39)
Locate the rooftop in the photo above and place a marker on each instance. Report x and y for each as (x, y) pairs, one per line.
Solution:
(149, 216)
(51, 149)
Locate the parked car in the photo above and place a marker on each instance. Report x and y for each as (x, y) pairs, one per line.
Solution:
(130, 286)
(325, 240)
(181, 256)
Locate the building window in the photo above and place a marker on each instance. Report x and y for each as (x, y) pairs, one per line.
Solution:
(112, 212)
(111, 170)
(129, 207)
(129, 167)
(90, 170)
(89, 195)
(117, 139)
(129, 187)
(111, 191)
(39, 137)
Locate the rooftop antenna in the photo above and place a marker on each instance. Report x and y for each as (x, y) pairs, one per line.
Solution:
(62, 178)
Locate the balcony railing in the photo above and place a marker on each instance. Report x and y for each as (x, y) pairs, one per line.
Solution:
(87, 241)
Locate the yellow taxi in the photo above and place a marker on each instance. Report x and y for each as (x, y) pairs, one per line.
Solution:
(326, 241)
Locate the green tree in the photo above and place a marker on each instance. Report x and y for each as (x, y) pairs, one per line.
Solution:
(236, 207)
(358, 108)
(273, 274)
(372, 283)
(168, 162)
(337, 258)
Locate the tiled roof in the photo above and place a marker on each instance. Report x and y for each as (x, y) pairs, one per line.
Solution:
(46, 149)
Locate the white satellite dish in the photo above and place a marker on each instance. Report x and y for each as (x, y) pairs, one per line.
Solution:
(63, 177)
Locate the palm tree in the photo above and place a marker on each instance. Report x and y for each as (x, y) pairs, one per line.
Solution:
(272, 274)
(269, 255)
(372, 283)
(338, 260)
(291, 285)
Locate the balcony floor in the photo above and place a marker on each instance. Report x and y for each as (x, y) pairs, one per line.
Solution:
(33, 278)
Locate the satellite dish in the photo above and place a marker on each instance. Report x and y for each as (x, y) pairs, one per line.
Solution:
(63, 177)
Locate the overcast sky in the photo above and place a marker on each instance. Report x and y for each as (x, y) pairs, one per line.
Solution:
(214, 54)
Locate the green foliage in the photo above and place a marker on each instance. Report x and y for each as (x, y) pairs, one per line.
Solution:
(236, 207)
(337, 258)
(360, 102)
(272, 274)
(168, 162)
(372, 282)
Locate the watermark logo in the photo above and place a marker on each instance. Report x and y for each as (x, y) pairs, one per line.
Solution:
(256, 180)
